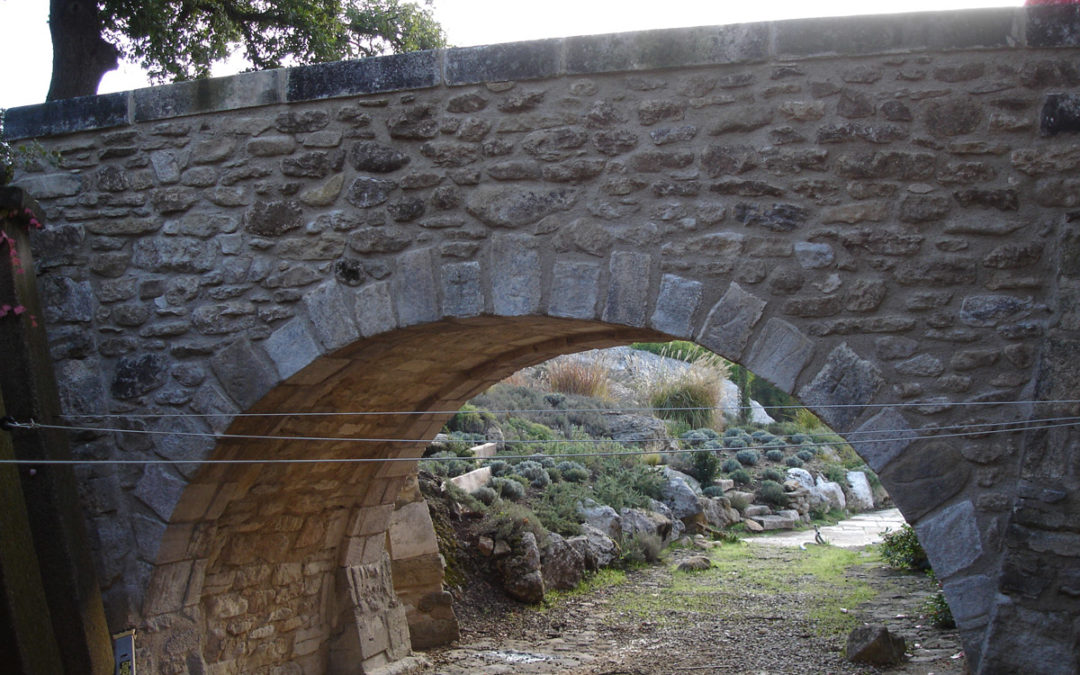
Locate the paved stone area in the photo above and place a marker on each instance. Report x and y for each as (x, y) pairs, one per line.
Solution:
(860, 530)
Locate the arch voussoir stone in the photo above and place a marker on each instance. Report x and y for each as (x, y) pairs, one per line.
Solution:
(875, 214)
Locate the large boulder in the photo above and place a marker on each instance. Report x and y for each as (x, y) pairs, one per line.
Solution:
(677, 524)
(802, 477)
(602, 517)
(596, 548)
(643, 432)
(680, 493)
(718, 511)
(860, 495)
(521, 573)
(831, 492)
(562, 565)
(637, 522)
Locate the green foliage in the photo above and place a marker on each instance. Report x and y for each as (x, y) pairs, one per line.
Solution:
(748, 457)
(776, 402)
(697, 438)
(500, 467)
(774, 455)
(713, 491)
(23, 156)
(807, 420)
(835, 473)
(180, 39)
(572, 472)
(508, 521)
(463, 498)
(557, 508)
(676, 349)
(623, 486)
(577, 375)
(685, 401)
(805, 455)
(902, 550)
(794, 462)
(936, 609)
(735, 443)
(534, 472)
(773, 493)
(740, 476)
(704, 465)
(739, 503)
(730, 465)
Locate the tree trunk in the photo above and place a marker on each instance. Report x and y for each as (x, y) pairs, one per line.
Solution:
(81, 57)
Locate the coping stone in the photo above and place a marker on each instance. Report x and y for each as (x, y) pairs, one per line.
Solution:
(533, 60)
(245, 90)
(394, 72)
(69, 115)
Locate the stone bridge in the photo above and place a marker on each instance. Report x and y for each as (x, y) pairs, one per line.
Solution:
(877, 214)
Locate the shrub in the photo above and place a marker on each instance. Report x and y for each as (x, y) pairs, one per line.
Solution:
(747, 457)
(508, 489)
(730, 465)
(534, 472)
(794, 462)
(572, 472)
(761, 436)
(578, 375)
(557, 508)
(621, 486)
(652, 459)
(470, 420)
(807, 420)
(836, 474)
(486, 495)
(704, 465)
(463, 498)
(773, 475)
(799, 438)
(739, 503)
(641, 549)
(774, 455)
(773, 493)
(691, 395)
(936, 609)
(733, 432)
(902, 550)
(740, 476)
(805, 455)
(509, 521)
(543, 460)
(697, 438)
(735, 443)
(500, 467)
(713, 491)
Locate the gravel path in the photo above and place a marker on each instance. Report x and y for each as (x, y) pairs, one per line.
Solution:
(660, 621)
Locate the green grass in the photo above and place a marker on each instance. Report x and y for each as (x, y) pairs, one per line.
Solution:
(606, 577)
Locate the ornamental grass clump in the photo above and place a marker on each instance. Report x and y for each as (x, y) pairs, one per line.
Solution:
(689, 394)
(575, 374)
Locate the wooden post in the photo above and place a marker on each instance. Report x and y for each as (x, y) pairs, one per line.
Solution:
(28, 388)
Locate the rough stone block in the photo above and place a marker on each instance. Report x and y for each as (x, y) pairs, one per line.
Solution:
(970, 598)
(515, 276)
(375, 309)
(951, 539)
(395, 72)
(498, 63)
(679, 298)
(415, 289)
(160, 489)
(411, 532)
(780, 353)
(292, 347)
(462, 296)
(574, 289)
(730, 322)
(245, 373)
(889, 425)
(168, 586)
(841, 388)
(1053, 26)
(628, 288)
(330, 316)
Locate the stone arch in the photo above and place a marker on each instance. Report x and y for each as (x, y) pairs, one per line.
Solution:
(874, 210)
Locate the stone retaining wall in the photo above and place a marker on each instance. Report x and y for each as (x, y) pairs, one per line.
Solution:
(865, 211)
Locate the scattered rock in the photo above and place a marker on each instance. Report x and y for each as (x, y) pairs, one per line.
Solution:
(695, 563)
(521, 575)
(562, 565)
(874, 645)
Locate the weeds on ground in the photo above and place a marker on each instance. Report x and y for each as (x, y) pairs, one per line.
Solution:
(605, 577)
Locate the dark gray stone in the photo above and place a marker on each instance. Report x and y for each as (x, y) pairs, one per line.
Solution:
(676, 303)
(970, 598)
(331, 316)
(951, 539)
(375, 309)
(138, 375)
(842, 387)
(777, 217)
(415, 289)
(160, 489)
(272, 219)
(895, 434)
(990, 310)
(1060, 114)
(729, 324)
(574, 289)
(376, 157)
(1053, 26)
(516, 277)
(506, 62)
(462, 296)
(628, 288)
(366, 192)
(875, 645)
(510, 207)
(780, 353)
(395, 72)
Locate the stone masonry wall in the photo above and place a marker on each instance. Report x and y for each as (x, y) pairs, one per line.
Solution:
(872, 211)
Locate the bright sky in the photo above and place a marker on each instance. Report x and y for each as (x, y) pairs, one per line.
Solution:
(26, 55)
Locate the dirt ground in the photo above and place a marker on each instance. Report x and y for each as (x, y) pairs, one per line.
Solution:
(729, 620)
